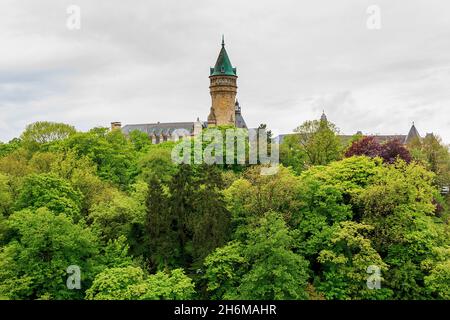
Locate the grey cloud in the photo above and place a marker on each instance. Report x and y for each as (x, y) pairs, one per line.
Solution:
(148, 61)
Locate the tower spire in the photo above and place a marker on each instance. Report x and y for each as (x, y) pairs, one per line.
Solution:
(324, 116)
(223, 66)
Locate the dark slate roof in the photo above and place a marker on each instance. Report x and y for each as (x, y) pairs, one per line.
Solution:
(413, 134)
(384, 138)
(158, 129)
(239, 121)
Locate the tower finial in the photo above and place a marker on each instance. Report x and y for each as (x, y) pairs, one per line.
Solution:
(223, 41)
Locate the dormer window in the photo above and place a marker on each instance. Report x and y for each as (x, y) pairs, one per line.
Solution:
(222, 69)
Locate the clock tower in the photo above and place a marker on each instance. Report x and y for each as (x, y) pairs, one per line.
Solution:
(223, 91)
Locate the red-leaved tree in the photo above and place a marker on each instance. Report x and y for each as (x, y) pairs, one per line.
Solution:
(394, 149)
(389, 151)
(366, 146)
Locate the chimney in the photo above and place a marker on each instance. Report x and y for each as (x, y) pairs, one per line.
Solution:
(116, 125)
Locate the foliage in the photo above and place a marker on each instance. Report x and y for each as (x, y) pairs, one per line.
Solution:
(113, 155)
(141, 226)
(189, 221)
(265, 267)
(319, 141)
(392, 150)
(50, 191)
(33, 264)
(39, 134)
(130, 283)
(366, 146)
(6, 197)
(346, 262)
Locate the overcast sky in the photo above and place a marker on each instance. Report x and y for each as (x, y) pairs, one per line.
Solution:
(146, 61)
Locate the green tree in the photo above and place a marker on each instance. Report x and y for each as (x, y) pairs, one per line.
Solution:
(265, 267)
(82, 174)
(33, 264)
(11, 146)
(224, 269)
(157, 164)
(113, 155)
(435, 156)
(131, 283)
(189, 219)
(399, 204)
(50, 191)
(292, 153)
(438, 280)
(140, 140)
(319, 142)
(6, 197)
(41, 133)
(159, 237)
(251, 196)
(345, 264)
(114, 218)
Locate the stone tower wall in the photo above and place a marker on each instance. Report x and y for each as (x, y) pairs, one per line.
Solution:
(223, 91)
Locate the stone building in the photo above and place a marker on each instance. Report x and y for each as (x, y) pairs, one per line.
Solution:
(405, 139)
(225, 109)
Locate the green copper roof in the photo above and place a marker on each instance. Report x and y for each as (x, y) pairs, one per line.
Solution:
(223, 65)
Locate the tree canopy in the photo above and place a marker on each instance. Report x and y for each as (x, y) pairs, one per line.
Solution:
(115, 214)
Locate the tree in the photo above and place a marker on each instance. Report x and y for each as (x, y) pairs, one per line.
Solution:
(157, 164)
(276, 271)
(438, 280)
(41, 133)
(11, 146)
(191, 220)
(345, 264)
(113, 154)
(41, 162)
(50, 191)
(158, 239)
(224, 269)
(33, 264)
(265, 267)
(292, 154)
(319, 141)
(131, 283)
(211, 220)
(399, 204)
(327, 197)
(140, 140)
(114, 218)
(6, 197)
(366, 146)
(392, 150)
(435, 156)
(251, 196)
(116, 284)
(82, 174)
